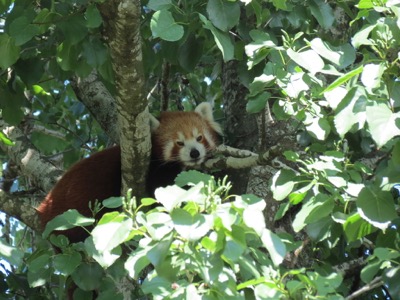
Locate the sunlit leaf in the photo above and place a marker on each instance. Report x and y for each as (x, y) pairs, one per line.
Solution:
(382, 122)
(376, 206)
(308, 59)
(164, 26)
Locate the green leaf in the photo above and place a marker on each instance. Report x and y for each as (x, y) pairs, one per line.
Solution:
(319, 128)
(321, 229)
(147, 201)
(95, 52)
(157, 253)
(222, 39)
(296, 84)
(361, 37)
(159, 4)
(342, 79)
(39, 271)
(93, 17)
(383, 124)
(371, 76)
(254, 218)
(9, 51)
(158, 225)
(257, 103)
(67, 263)
(191, 227)
(282, 184)
(67, 56)
(5, 5)
(113, 202)
(223, 14)
(48, 143)
(355, 228)
(391, 278)
(325, 284)
(233, 250)
(280, 4)
(157, 286)
(192, 177)
(10, 254)
(351, 110)
(369, 271)
(316, 208)
(190, 52)
(71, 218)
(107, 236)
(22, 30)
(386, 254)
(106, 258)
(172, 196)
(275, 246)
(74, 29)
(308, 59)
(5, 140)
(376, 206)
(322, 12)
(136, 262)
(88, 276)
(260, 83)
(341, 56)
(164, 26)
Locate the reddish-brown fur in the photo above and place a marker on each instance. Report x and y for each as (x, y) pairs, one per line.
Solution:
(99, 176)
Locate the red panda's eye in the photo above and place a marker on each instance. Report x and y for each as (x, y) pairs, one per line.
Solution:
(180, 144)
(199, 138)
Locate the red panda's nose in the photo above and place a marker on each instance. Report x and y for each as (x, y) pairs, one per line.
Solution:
(194, 153)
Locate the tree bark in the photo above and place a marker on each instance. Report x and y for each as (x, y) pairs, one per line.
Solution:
(240, 128)
(122, 31)
(99, 101)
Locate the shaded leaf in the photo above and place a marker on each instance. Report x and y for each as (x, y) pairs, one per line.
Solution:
(223, 14)
(9, 51)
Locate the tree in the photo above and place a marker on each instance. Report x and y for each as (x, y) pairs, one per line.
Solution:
(311, 86)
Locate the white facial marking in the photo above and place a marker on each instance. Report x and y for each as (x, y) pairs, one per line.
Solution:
(167, 151)
(209, 139)
(192, 153)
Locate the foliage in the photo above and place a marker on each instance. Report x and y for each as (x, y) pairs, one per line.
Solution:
(196, 243)
(331, 68)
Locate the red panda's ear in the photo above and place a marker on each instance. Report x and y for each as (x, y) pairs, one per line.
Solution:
(204, 109)
(154, 123)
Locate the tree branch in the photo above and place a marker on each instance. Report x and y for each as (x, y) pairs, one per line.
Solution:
(377, 282)
(95, 96)
(21, 208)
(233, 158)
(42, 173)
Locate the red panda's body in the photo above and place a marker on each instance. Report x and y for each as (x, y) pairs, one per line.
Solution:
(179, 140)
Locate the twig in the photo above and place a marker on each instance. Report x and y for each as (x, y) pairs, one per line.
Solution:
(377, 282)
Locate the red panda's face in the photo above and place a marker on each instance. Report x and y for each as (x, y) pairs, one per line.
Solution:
(185, 137)
(190, 145)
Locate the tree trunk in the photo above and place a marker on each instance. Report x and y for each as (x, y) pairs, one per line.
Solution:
(240, 128)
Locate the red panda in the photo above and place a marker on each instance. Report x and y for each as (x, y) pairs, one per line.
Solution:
(179, 140)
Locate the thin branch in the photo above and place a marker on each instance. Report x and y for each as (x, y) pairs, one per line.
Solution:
(233, 158)
(377, 282)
